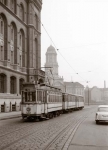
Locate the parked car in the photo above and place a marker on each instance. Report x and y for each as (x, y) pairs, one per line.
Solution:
(102, 114)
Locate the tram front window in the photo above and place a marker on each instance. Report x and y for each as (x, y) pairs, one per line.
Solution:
(29, 96)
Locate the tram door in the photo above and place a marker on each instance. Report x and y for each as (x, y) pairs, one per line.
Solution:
(41, 98)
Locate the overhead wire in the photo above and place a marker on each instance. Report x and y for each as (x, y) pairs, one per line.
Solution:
(56, 47)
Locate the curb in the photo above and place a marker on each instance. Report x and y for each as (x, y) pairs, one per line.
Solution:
(10, 117)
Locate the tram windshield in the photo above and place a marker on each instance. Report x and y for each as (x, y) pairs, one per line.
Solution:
(28, 96)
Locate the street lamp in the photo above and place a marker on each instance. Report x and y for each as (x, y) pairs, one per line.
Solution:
(88, 93)
(88, 96)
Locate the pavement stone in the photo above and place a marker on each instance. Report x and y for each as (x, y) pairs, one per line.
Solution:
(37, 135)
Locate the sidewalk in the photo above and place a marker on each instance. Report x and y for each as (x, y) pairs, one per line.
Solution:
(10, 115)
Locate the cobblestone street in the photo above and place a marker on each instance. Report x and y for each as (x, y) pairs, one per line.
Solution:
(16, 134)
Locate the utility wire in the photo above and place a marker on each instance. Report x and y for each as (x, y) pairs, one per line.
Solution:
(56, 47)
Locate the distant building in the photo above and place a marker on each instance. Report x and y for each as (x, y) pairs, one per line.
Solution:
(51, 69)
(74, 88)
(96, 95)
(52, 76)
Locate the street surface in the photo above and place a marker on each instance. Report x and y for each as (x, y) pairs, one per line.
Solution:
(72, 131)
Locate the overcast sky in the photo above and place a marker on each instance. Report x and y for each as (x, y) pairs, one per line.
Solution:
(79, 29)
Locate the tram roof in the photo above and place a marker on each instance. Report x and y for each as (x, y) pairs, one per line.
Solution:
(47, 85)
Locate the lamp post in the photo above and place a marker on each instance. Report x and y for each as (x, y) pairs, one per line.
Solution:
(88, 96)
(88, 93)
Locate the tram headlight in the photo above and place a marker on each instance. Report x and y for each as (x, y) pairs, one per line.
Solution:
(28, 109)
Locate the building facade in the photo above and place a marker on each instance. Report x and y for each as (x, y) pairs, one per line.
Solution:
(51, 69)
(74, 88)
(20, 49)
(96, 95)
(53, 78)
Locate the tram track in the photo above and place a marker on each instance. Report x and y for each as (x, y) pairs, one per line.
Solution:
(67, 143)
(70, 129)
(23, 137)
(71, 126)
(15, 126)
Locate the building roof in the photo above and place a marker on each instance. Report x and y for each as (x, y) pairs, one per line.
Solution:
(75, 84)
(51, 49)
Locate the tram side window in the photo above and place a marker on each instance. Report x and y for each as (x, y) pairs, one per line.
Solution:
(27, 97)
(30, 96)
(23, 96)
(73, 98)
(33, 96)
(49, 97)
(44, 96)
(70, 98)
(59, 98)
(39, 96)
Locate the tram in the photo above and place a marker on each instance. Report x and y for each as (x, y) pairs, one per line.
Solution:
(45, 101)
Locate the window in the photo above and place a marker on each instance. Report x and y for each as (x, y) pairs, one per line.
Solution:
(13, 6)
(20, 61)
(1, 53)
(28, 96)
(21, 81)
(1, 27)
(12, 58)
(4, 1)
(20, 40)
(12, 85)
(103, 109)
(3, 36)
(22, 48)
(13, 43)
(2, 83)
(12, 33)
(21, 15)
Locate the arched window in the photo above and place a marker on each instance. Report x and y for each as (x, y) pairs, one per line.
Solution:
(2, 26)
(12, 32)
(13, 5)
(4, 2)
(12, 85)
(21, 81)
(13, 43)
(21, 15)
(2, 83)
(1, 38)
(22, 48)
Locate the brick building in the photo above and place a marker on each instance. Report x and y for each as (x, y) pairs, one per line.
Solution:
(20, 49)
